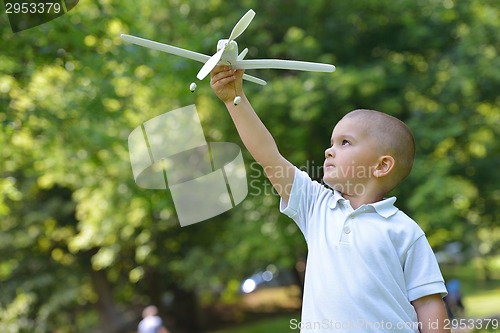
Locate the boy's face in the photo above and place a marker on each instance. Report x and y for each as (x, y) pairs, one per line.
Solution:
(351, 159)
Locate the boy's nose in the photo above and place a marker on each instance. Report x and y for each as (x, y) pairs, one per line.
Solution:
(329, 152)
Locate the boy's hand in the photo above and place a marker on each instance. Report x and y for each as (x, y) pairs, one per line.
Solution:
(226, 83)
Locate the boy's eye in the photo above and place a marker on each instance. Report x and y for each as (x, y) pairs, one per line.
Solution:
(345, 142)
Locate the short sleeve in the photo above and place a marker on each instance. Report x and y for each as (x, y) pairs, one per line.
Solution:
(421, 271)
(303, 196)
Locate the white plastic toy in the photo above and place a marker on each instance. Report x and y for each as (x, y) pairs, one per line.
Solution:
(227, 54)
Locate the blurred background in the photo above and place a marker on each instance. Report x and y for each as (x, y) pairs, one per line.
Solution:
(83, 249)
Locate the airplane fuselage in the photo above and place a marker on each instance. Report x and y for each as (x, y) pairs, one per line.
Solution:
(230, 54)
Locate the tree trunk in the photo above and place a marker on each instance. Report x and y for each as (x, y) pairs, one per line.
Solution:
(186, 311)
(111, 320)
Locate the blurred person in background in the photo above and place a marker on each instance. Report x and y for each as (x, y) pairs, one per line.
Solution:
(453, 300)
(151, 322)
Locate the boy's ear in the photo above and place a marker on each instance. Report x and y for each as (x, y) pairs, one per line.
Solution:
(385, 165)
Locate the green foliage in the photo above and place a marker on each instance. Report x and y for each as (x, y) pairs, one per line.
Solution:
(81, 246)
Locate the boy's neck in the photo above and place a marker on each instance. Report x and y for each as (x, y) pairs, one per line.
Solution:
(357, 201)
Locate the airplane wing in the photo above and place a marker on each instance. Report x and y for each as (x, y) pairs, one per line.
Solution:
(254, 79)
(165, 48)
(284, 64)
(179, 52)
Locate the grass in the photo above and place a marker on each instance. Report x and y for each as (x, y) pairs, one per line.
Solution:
(485, 304)
(481, 297)
(273, 325)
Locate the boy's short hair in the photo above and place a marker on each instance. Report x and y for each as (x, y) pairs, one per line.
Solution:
(393, 138)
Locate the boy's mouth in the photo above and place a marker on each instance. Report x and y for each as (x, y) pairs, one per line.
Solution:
(329, 165)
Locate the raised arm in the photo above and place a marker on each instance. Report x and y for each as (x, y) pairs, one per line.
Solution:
(227, 83)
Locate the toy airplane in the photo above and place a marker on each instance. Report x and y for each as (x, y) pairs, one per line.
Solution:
(227, 54)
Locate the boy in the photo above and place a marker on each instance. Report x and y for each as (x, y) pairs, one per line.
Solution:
(369, 266)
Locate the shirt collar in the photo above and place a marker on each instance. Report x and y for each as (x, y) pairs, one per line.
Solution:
(335, 199)
(384, 208)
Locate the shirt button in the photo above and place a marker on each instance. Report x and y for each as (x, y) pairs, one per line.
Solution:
(347, 230)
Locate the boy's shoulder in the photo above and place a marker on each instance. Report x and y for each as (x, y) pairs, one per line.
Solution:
(402, 227)
(401, 217)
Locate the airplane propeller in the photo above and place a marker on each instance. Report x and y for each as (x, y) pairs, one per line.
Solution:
(238, 29)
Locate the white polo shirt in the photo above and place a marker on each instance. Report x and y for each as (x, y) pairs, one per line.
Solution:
(364, 266)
